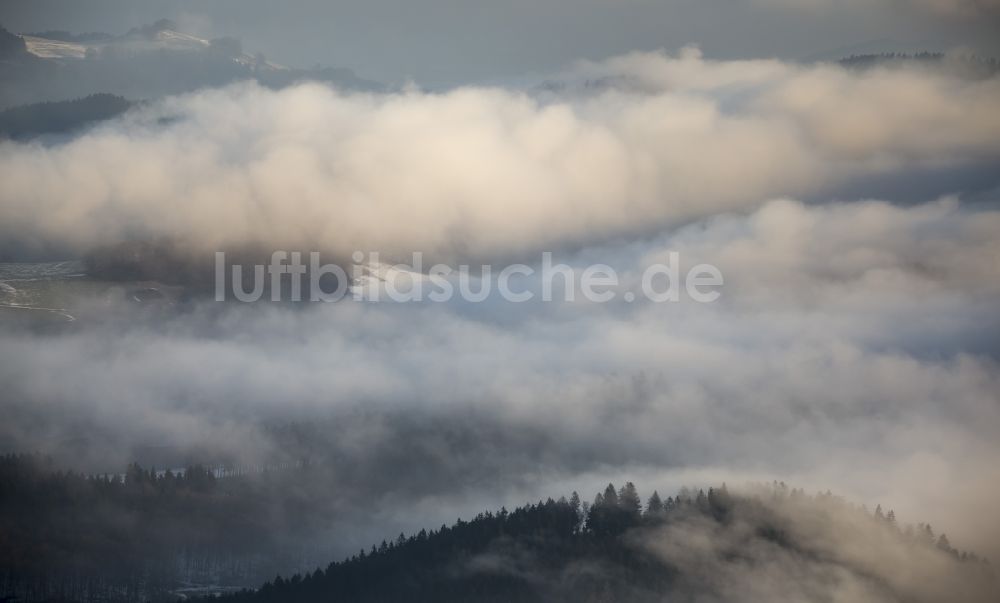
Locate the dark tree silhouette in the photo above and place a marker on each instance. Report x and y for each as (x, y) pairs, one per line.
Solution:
(139, 535)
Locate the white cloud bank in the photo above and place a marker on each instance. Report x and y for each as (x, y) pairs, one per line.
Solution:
(873, 373)
(652, 142)
(854, 347)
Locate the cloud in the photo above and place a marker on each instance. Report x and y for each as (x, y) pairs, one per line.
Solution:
(867, 252)
(631, 146)
(854, 346)
(827, 551)
(846, 333)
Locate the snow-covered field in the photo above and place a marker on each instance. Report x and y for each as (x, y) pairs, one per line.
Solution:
(166, 39)
(54, 49)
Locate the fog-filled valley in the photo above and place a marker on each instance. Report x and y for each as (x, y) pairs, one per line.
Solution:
(292, 333)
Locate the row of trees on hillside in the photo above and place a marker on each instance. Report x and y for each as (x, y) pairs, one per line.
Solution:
(60, 117)
(139, 535)
(571, 550)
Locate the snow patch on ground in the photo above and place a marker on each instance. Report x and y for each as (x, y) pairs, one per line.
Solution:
(54, 49)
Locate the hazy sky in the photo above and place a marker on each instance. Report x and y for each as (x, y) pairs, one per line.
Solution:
(442, 42)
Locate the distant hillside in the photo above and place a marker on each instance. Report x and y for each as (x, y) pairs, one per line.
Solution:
(768, 544)
(146, 62)
(151, 535)
(143, 534)
(65, 36)
(11, 46)
(59, 117)
(970, 66)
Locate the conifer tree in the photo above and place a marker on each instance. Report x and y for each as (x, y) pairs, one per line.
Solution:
(654, 507)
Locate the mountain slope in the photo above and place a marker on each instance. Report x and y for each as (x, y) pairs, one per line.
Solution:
(765, 544)
(59, 117)
(145, 63)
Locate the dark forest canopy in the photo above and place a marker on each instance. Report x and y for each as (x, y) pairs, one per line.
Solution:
(616, 549)
(140, 535)
(11, 45)
(966, 65)
(61, 117)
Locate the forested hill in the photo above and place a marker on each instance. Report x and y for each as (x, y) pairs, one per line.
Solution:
(145, 535)
(766, 544)
(149, 535)
(63, 117)
(963, 65)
